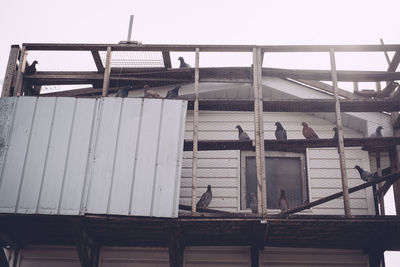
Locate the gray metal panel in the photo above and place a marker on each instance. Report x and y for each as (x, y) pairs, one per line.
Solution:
(74, 156)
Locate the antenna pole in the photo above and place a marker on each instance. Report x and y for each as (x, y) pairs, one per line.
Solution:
(130, 28)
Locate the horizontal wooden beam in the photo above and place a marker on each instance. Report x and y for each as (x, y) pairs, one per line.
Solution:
(293, 144)
(328, 88)
(302, 105)
(209, 48)
(340, 194)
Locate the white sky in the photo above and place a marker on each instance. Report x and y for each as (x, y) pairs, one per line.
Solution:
(279, 22)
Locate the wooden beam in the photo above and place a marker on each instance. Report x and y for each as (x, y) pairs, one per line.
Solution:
(389, 88)
(175, 247)
(395, 62)
(302, 105)
(3, 258)
(107, 71)
(167, 59)
(88, 248)
(355, 86)
(328, 88)
(97, 61)
(375, 257)
(379, 172)
(394, 161)
(195, 129)
(10, 71)
(340, 194)
(20, 73)
(339, 128)
(255, 255)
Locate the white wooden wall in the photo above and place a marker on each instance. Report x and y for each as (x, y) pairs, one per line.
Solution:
(221, 169)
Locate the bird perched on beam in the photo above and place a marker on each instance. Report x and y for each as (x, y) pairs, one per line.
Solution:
(150, 93)
(335, 136)
(378, 132)
(280, 132)
(308, 132)
(367, 176)
(205, 198)
(282, 202)
(183, 64)
(123, 92)
(243, 137)
(173, 93)
(31, 69)
(253, 203)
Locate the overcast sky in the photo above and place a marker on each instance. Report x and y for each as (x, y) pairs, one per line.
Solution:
(201, 22)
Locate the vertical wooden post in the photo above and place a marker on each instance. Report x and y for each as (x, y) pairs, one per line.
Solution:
(195, 129)
(259, 131)
(393, 157)
(20, 73)
(379, 171)
(255, 254)
(10, 71)
(378, 86)
(355, 86)
(107, 71)
(346, 200)
(175, 247)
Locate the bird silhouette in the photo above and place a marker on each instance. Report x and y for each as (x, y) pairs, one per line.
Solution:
(183, 64)
(31, 69)
(205, 198)
(308, 132)
(243, 137)
(282, 202)
(335, 135)
(253, 203)
(378, 132)
(280, 132)
(123, 92)
(150, 93)
(367, 176)
(173, 93)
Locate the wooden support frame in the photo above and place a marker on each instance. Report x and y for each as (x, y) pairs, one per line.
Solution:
(107, 71)
(20, 73)
(167, 59)
(176, 247)
(259, 131)
(375, 257)
(339, 127)
(3, 258)
(195, 129)
(394, 161)
(379, 171)
(11, 71)
(97, 61)
(88, 248)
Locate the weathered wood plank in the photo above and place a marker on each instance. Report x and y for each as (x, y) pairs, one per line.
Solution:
(10, 71)
(97, 61)
(166, 59)
(107, 71)
(395, 62)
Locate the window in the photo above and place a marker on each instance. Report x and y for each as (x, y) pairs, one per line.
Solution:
(284, 170)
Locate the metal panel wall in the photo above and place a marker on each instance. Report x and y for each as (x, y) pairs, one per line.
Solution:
(105, 156)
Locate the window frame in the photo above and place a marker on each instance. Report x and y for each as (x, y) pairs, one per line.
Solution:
(272, 154)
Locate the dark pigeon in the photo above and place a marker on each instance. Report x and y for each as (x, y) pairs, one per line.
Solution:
(183, 64)
(280, 132)
(282, 202)
(31, 69)
(308, 132)
(205, 198)
(253, 203)
(243, 137)
(335, 136)
(123, 92)
(173, 93)
(367, 176)
(378, 132)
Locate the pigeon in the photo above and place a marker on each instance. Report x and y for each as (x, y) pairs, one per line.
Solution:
(280, 132)
(123, 92)
(367, 176)
(308, 132)
(183, 64)
(283, 203)
(173, 93)
(205, 198)
(253, 203)
(243, 137)
(335, 136)
(31, 69)
(378, 132)
(150, 93)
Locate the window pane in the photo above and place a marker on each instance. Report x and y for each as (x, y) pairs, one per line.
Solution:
(251, 178)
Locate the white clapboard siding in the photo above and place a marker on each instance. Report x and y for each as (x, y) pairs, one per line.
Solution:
(221, 169)
(73, 156)
(294, 257)
(134, 257)
(57, 256)
(385, 161)
(217, 256)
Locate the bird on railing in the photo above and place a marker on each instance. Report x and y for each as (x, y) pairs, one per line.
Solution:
(308, 132)
(378, 132)
(280, 132)
(123, 92)
(243, 137)
(335, 136)
(31, 69)
(282, 202)
(173, 93)
(183, 64)
(367, 176)
(150, 93)
(253, 203)
(205, 198)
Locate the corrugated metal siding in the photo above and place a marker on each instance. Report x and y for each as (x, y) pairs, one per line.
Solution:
(221, 169)
(294, 257)
(74, 156)
(217, 256)
(134, 257)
